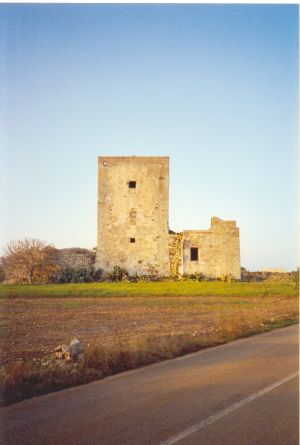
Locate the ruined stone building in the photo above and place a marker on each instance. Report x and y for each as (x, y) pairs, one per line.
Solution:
(133, 225)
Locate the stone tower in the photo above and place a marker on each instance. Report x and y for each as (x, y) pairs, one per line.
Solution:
(133, 214)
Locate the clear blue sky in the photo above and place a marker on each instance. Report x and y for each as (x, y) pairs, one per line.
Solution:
(215, 87)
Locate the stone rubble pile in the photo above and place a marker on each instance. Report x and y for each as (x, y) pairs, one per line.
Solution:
(74, 352)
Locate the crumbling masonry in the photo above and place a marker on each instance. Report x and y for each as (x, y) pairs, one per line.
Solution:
(133, 225)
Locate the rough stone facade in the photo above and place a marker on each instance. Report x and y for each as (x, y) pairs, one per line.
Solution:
(216, 251)
(175, 253)
(74, 257)
(133, 214)
(133, 232)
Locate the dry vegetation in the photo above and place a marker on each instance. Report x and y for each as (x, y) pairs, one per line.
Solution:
(28, 261)
(121, 333)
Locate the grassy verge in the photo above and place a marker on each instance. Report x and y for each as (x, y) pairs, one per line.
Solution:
(165, 288)
(25, 380)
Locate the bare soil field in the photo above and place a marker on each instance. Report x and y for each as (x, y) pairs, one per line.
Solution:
(32, 327)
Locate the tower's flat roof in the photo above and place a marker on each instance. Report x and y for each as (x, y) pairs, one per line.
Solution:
(133, 159)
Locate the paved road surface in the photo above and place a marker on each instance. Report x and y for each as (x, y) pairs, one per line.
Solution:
(242, 393)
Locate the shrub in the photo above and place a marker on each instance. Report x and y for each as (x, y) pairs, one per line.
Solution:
(98, 274)
(134, 278)
(198, 276)
(226, 278)
(81, 275)
(117, 274)
(63, 276)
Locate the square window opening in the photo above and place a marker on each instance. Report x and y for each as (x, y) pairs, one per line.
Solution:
(132, 240)
(194, 253)
(132, 184)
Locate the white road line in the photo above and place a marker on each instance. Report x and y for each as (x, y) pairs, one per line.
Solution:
(226, 411)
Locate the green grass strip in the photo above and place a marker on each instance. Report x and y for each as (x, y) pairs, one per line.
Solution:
(165, 288)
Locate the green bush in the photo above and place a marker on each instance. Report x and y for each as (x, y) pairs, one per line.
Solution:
(98, 275)
(135, 278)
(226, 278)
(81, 275)
(197, 276)
(63, 276)
(200, 276)
(118, 274)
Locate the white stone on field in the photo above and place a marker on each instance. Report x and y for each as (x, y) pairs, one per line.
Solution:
(76, 347)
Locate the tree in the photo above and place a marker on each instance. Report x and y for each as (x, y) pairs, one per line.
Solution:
(29, 260)
(2, 274)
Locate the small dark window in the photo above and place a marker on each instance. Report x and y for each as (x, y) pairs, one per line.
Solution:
(132, 184)
(132, 240)
(194, 253)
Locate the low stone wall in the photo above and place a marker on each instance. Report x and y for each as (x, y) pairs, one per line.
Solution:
(246, 275)
(74, 257)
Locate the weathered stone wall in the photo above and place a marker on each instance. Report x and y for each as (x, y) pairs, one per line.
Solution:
(263, 275)
(218, 250)
(175, 253)
(133, 222)
(74, 257)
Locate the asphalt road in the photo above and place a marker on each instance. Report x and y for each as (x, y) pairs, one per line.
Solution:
(242, 393)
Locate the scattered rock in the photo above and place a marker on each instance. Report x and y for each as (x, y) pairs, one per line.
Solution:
(80, 357)
(74, 352)
(76, 348)
(62, 351)
(61, 364)
(67, 356)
